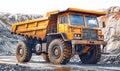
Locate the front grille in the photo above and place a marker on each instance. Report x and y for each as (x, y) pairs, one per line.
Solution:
(89, 34)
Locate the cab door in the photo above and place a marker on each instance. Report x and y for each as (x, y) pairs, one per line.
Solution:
(62, 24)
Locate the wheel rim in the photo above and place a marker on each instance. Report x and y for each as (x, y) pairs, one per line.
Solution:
(20, 51)
(38, 47)
(56, 52)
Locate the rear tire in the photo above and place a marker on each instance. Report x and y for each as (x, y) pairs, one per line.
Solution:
(59, 52)
(91, 57)
(23, 53)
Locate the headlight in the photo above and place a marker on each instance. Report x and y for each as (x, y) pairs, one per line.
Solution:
(77, 35)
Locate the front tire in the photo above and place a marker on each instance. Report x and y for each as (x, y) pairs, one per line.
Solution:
(91, 57)
(59, 52)
(23, 53)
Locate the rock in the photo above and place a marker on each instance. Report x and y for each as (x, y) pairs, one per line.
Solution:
(111, 32)
(75, 59)
(113, 9)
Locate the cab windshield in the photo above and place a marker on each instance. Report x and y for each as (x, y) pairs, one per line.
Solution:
(76, 19)
(91, 21)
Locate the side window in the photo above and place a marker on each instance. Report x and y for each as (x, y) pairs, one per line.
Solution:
(63, 19)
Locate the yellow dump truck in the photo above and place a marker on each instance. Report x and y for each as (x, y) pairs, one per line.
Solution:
(61, 35)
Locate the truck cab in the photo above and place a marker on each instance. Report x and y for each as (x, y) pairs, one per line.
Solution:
(79, 24)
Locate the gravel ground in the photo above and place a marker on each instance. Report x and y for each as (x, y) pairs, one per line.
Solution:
(38, 64)
(4, 67)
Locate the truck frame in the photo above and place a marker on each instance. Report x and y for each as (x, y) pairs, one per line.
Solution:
(61, 35)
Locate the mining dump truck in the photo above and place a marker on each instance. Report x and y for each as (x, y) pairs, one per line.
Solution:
(61, 35)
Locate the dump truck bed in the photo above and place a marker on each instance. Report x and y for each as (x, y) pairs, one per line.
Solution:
(32, 28)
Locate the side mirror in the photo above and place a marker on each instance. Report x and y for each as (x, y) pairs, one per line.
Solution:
(103, 25)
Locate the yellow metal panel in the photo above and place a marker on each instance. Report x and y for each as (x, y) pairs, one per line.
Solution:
(77, 10)
(87, 11)
(61, 28)
(21, 27)
(29, 28)
(31, 21)
(31, 25)
(52, 12)
(32, 29)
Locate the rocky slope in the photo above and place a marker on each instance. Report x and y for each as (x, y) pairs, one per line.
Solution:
(7, 40)
(110, 25)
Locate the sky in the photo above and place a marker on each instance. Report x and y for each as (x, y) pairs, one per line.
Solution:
(43, 6)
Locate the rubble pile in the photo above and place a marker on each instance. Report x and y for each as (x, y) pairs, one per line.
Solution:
(110, 25)
(8, 41)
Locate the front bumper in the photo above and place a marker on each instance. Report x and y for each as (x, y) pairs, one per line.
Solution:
(89, 42)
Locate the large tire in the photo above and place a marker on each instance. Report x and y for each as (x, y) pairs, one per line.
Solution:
(59, 52)
(45, 57)
(23, 53)
(91, 57)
